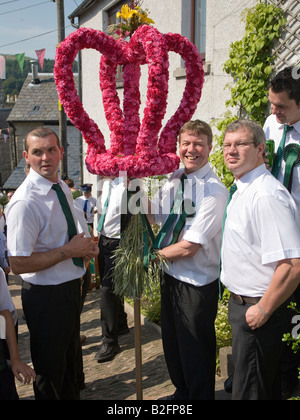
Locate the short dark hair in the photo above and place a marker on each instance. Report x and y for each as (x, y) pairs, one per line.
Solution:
(197, 127)
(40, 132)
(255, 129)
(286, 81)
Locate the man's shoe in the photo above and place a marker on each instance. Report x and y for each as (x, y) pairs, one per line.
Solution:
(107, 352)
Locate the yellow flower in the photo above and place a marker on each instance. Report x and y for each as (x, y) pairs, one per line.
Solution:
(126, 12)
(144, 16)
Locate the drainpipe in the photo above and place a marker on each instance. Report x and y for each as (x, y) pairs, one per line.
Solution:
(80, 97)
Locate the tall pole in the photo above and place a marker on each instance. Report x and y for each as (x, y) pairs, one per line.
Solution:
(62, 114)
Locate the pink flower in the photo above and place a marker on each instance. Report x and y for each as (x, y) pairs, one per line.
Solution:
(136, 146)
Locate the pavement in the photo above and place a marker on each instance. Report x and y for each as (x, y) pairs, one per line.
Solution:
(114, 380)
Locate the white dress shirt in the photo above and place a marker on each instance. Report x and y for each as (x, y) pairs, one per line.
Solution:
(209, 196)
(90, 206)
(274, 131)
(261, 229)
(112, 221)
(6, 302)
(117, 203)
(36, 223)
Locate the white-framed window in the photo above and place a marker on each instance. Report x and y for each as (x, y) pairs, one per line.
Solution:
(199, 25)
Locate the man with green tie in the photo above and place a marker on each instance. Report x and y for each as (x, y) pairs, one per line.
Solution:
(190, 208)
(283, 126)
(46, 247)
(260, 250)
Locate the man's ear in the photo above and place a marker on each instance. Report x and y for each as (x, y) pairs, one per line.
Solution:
(261, 149)
(62, 151)
(25, 155)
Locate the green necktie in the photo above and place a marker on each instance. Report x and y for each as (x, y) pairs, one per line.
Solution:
(172, 216)
(232, 190)
(103, 214)
(72, 231)
(278, 159)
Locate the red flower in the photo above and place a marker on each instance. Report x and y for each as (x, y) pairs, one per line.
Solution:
(136, 146)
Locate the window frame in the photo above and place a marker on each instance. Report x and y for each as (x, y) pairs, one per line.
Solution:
(193, 29)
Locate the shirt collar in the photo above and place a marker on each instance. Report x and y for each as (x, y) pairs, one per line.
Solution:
(40, 182)
(247, 179)
(199, 174)
(296, 126)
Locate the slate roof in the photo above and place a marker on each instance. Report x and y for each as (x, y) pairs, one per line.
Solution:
(73, 155)
(37, 102)
(82, 8)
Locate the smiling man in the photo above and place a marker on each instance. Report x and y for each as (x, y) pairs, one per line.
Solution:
(189, 290)
(260, 249)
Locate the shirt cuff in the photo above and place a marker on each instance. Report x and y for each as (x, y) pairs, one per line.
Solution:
(196, 238)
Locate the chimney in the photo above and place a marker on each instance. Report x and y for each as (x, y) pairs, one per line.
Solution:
(35, 74)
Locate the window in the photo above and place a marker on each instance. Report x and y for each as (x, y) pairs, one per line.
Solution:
(199, 25)
(112, 19)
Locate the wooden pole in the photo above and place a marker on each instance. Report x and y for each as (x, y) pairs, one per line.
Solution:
(62, 114)
(138, 349)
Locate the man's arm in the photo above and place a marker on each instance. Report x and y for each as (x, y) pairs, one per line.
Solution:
(284, 282)
(180, 250)
(79, 246)
(22, 372)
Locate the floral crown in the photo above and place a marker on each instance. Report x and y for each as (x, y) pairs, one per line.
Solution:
(136, 147)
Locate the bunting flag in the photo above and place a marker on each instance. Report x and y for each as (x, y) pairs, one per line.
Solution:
(2, 67)
(20, 59)
(41, 55)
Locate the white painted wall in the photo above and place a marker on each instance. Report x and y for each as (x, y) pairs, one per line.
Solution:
(224, 26)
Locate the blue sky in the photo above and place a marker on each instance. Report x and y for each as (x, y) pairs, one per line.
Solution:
(18, 25)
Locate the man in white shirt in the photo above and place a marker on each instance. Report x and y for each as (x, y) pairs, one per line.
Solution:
(261, 245)
(189, 290)
(87, 203)
(284, 96)
(46, 248)
(112, 210)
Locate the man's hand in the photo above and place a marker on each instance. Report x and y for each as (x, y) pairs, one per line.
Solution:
(80, 246)
(22, 372)
(255, 317)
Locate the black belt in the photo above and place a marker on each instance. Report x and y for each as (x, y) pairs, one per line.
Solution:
(241, 300)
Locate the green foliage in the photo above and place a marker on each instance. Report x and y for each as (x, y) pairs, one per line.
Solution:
(251, 60)
(3, 200)
(216, 157)
(288, 338)
(15, 78)
(250, 63)
(222, 326)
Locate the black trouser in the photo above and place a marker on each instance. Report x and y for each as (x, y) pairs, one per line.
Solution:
(256, 354)
(187, 316)
(113, 316)
(53, 317)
